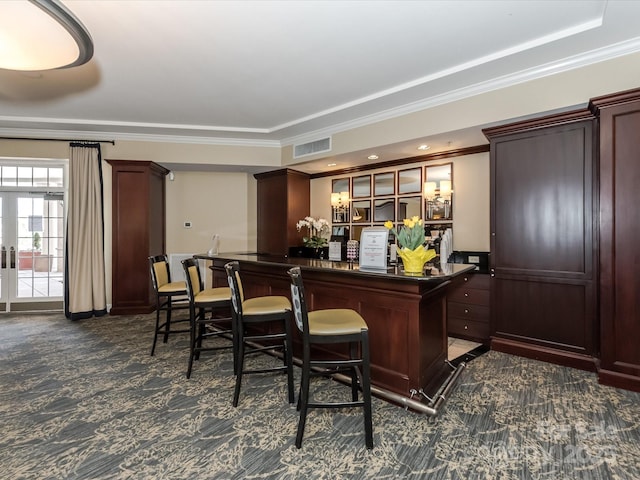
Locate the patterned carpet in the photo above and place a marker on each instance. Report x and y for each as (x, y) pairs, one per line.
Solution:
(85, 400)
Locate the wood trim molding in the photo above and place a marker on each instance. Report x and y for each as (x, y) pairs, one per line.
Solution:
(595, 104)
(619, 380)
(406, 161)
(545, 354)
(279, 172)
(539, 122)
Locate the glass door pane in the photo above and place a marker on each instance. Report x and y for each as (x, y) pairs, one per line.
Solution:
(40, 247)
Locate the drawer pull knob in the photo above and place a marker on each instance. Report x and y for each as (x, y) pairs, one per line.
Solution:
(466, 279)
(465, 327)
(466, 294)
(466, 310)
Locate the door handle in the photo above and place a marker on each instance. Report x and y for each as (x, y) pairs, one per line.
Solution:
(12, 258)
(3, 255)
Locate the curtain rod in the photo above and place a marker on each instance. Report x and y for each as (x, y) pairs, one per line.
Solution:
(112, 142)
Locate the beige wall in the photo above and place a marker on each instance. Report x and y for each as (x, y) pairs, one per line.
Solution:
(214, 202)
(470, 201)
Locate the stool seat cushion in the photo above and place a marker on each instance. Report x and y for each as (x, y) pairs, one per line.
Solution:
(219, 294)
(335, 321)
(173, 287)
(265, 305)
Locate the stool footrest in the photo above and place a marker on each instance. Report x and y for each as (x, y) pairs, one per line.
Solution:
(336, 404)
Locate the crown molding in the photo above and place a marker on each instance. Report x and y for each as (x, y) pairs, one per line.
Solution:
(135, 137)
(552, 68)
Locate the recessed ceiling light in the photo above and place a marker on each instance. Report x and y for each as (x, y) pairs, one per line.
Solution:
(373, 157)
(331, 164)
(424, 147)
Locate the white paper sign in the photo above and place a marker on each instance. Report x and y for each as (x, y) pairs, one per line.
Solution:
(373, 248)
(335, 251)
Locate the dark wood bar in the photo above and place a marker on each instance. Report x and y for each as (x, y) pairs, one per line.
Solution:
(406, 314)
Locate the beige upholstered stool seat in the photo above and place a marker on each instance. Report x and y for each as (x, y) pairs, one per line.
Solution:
(174, 287)
(335, 321)
(213, 295)
(265, 305)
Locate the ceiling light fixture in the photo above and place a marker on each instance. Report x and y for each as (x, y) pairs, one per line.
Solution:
(373, 157)
(41, 35)
(424, 147)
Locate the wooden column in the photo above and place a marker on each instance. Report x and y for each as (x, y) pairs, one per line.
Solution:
(138, 231)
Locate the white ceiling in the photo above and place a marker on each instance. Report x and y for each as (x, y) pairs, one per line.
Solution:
(272, 72)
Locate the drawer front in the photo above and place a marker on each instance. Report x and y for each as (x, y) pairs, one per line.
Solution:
(468, 328)
(477, 280)
(469, 295)
(472, 312)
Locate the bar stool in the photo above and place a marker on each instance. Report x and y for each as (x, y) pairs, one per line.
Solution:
(337, 325)
(250, 313)
(211, 300)
(167, 292)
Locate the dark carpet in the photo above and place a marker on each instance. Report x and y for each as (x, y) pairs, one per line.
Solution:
(84, 400)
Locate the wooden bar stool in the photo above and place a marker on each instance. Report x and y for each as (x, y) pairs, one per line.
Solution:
(250, 313)
(203, 301)
(337, 325)
(169, 296)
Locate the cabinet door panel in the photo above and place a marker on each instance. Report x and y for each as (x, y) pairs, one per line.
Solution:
(543, 241)
(544, 312)
(542, 202)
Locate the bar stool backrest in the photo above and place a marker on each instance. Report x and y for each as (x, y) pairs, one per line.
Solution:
(300, 312)
(235, 284)
(160, 274)
(192, 276)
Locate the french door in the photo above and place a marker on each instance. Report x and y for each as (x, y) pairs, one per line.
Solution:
(31, 239)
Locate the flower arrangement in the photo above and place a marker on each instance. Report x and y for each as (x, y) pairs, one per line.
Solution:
(411, 239)
(318, 228)
(411, 234)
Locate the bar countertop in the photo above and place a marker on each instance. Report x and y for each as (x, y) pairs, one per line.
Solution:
(433, 273)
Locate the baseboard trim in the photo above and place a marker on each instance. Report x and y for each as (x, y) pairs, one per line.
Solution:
(619, 380)
(545, 354)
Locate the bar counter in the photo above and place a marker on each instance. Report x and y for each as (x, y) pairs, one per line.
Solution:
(406, 313)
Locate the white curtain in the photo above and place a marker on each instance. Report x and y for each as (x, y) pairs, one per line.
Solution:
(85, 292)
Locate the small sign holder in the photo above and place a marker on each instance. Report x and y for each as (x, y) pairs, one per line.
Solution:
(373, 248)
(335, 251)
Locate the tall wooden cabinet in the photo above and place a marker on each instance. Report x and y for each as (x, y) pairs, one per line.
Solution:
(283, 199)
(619, 116)
(543, 265)
(138, 231)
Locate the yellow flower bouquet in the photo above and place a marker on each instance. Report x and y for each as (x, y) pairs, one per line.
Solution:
(411, 240)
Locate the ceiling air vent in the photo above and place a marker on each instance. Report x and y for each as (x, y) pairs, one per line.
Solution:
(317, 146)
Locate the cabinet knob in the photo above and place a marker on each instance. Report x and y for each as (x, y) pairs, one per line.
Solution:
(466, 327)
(466, 279)
(466, 294)
(466, 310)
